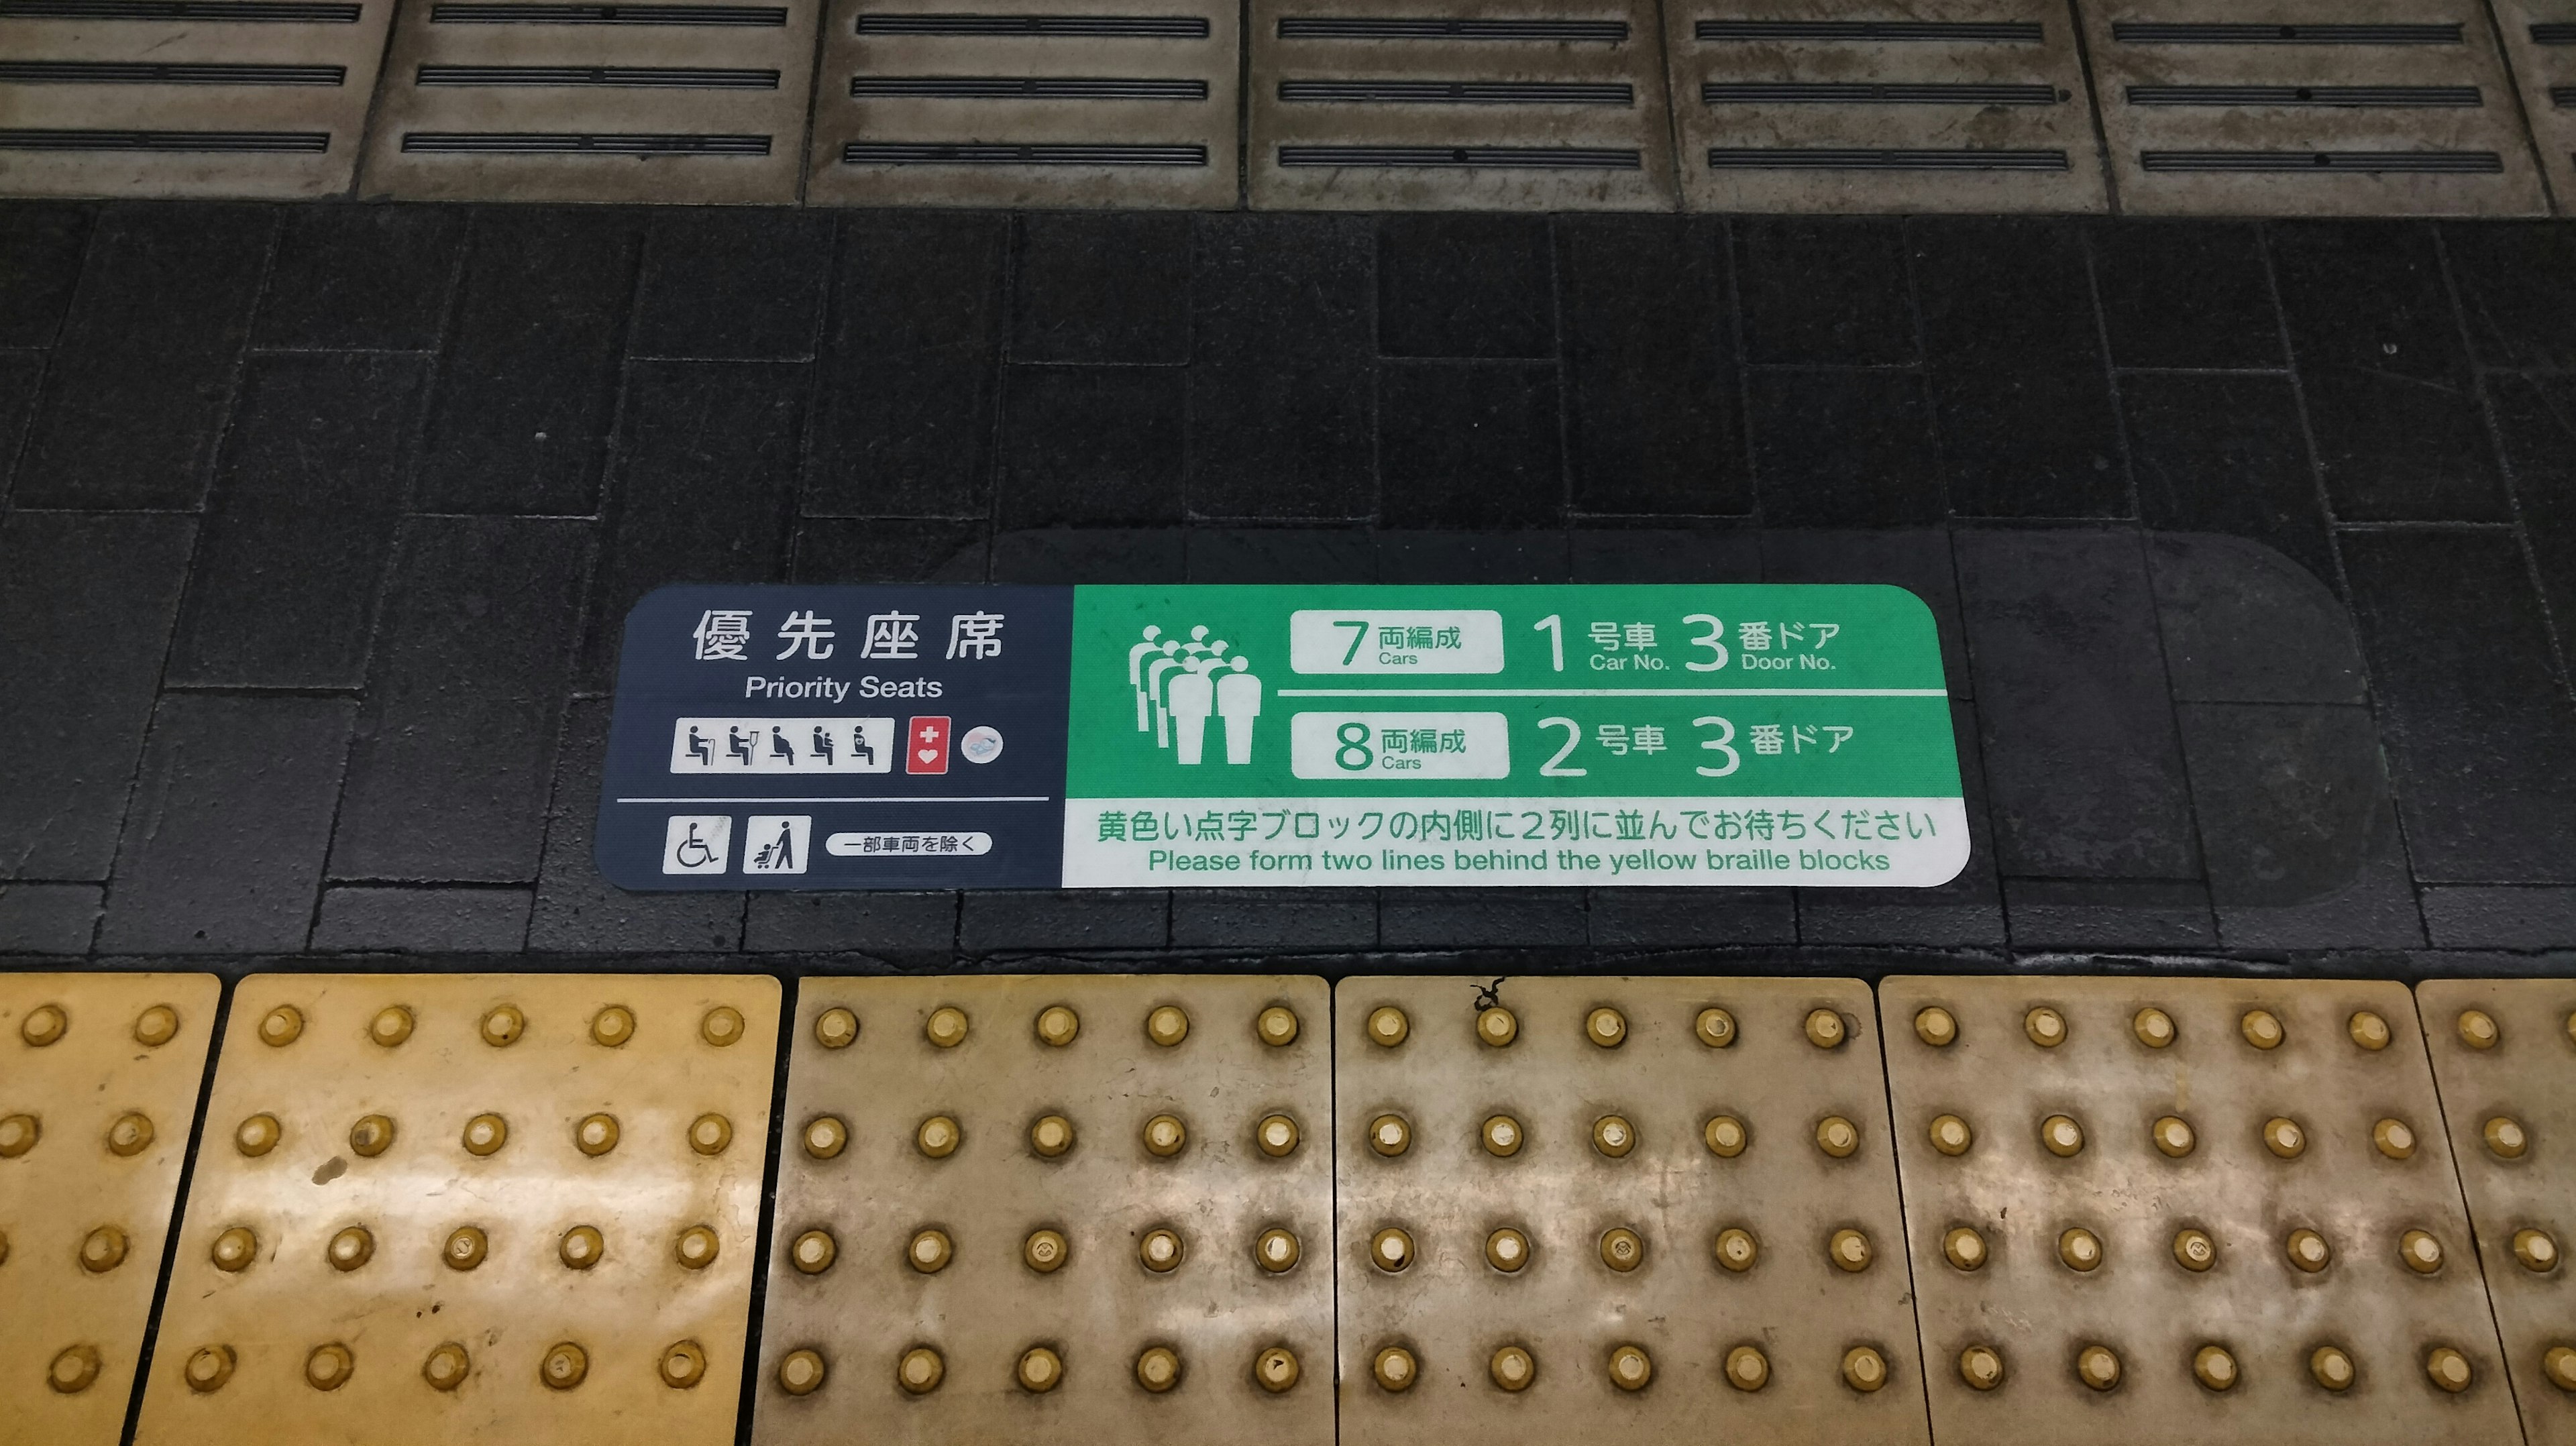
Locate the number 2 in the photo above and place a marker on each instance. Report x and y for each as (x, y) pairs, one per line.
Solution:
(1573, 736)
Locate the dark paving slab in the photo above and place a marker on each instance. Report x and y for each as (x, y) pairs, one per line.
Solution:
(21, 374)
(2517, 288)
(1465, 286)
(1521, 918)
(2299, 825)
(1284, 920)
(895, 549)
(2224, 452)
(362, 278)
(579, 912)
(41, 247)
(1654, 406)
(732, 285)
(2050, 914)
(2244, 624)
(50, 919)
(1685, 918)
(1105, 554)
(2185, 294)
(1096, 446)
(1281, 554)
(2494, 918)
(1102, 288)
(885, 925)
(1004, 920)
(362, 919)
(1843, 448)
(2535, 415)
(1825, 291)
(1715, 553)
(1454, 557)
(1282, 391)
(1471, 444)
(1918, 560)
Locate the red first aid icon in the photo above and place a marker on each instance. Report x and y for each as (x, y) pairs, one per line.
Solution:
(926, 746)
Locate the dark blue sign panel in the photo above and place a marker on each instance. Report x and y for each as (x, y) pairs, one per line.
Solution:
(839, 737)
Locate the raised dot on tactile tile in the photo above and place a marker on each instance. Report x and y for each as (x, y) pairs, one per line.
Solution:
(350, 1248)
(2478, 1029)
(43, 1025)
(2504, 1137)
(2308, 1251)
(596, 1134)
(1951, 1135)
(1158, 1368)
(1160, 1250)
(1825, 1029)
(1936, 1026)
(710, 1134)
(929, 1251)
(825, 1136)
(1046, 1250)
(2098, 1367)
(391, 1026)
(74, 1370)
(1276, 1251)
(2194, 1250)
(1606, 1027)
(801, 1373)
(581, 1247)
(1512, 1368)
(2368, 1030)
(836, 1028)
(2393, 1138)
(1167, 1025)
(447, 1367)
(19, 1134)
(1982, 1367)
(2079, 1249)
(1041, 1370)
(2044, 1026)
(613, 1026)
(937, 1137)
(721, 1026)
(919, 1372)
(2285, 1137)
(1387, 1026)
(1631, 1368)
(255, 1136)
(486, 1134)
(2153, 1027)
(2262, 1029)
(1276, 1026)
(1051, 1135)
(2173, 1136)
(2558, 1363)
(1164, 1135)
(1057, 1025)
(1507, 1250)
(2420, 1252)
(1747, 1369)
(1277, 1136)
(281, 1026)
(1864, 1369)
(503, 1025)
(2061, 1136)
(466, 1247)
(1725, 1136)
(565, 1366)
(2331, 1367)
(1715, 1028)
(1393, 1369)
(208, 1369)
(1837, 1136)
(328, 1368)
(1849, 1250)
(130, 1134)
(697, 1247)
(2448, 1369)
(371, 1136)
(1497, 1027)
(1391, 1250)
(103, 1250)
(1622, 1249)
(234, 1249)
(1613, 1136)
(1735, 1249)
(813, 1252)
(2536, 1250)
(1964, 1248)
(1502, 1136)
(684, 1364)
(156, 1026)
(946, 1027)
(1275, 1370)
(1389, 1135)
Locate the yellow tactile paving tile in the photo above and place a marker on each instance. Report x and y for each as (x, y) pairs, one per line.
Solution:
(1054, 1209)
(1618, 1209)
(2185, 1210)
(99, 1076)
(2504, 1053)
(472, 1208)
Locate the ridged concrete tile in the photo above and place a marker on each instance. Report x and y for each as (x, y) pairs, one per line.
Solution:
(2540, 41)
(1848, 105)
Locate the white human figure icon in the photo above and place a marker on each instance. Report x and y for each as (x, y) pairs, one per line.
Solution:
(1193, 698)
(1135, 672)
(1238, 702)
(1154, 690)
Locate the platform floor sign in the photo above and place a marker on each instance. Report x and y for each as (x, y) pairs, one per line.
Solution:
(1120, 737)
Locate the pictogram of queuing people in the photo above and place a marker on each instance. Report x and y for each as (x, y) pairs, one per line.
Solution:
(1180, 685)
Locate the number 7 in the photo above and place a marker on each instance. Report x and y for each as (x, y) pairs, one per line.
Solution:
(1359, 635)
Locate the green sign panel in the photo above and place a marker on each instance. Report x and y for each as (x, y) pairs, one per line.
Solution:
(1645, 735)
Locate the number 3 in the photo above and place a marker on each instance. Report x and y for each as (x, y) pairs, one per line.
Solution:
(1725, 736)
(1710, 641)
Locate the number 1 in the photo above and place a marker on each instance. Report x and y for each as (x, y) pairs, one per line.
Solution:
(1554, 626)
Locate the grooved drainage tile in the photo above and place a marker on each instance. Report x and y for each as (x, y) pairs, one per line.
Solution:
(1018, 103)
(98, 1088)
(1465, 104)
(1035, 1209)
(2504, 1052)
(402, 1231)
(185, 97)
(1927, 105)
(2540, 40)
(1663, 1194)
(527, 100)
(2077, 1263)
(2309, 107)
